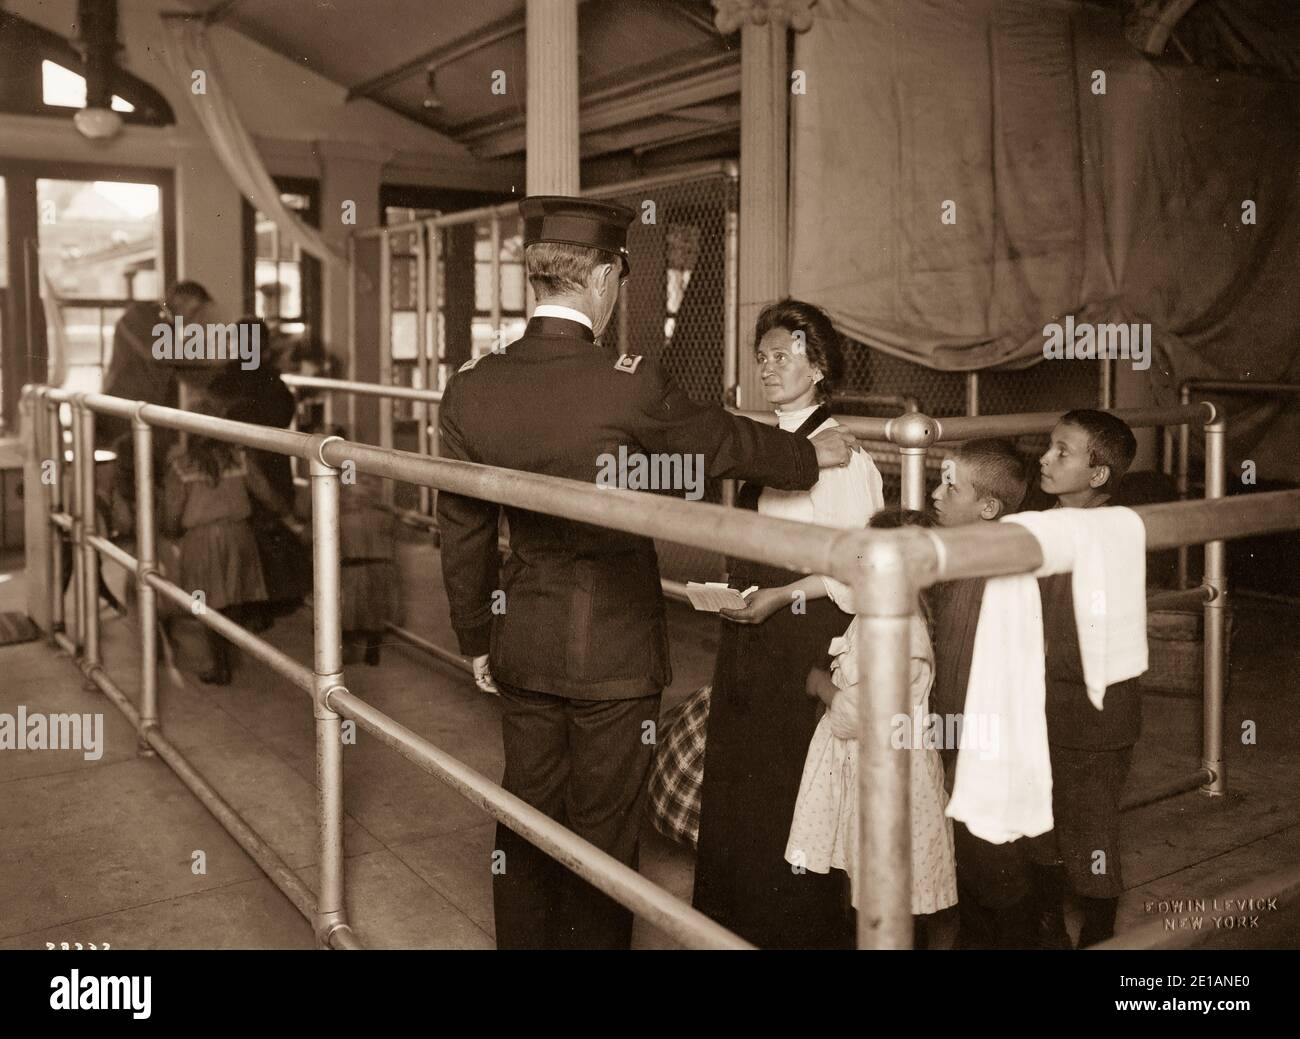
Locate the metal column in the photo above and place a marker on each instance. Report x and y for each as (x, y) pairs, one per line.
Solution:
(386, 351)
(57, 504)
(1184, 485)
(731, 330)
(885, 599)
(424, 236)
(328, 672)
(146, 554)
(1216, 578)
(913, 433)
(496, 279)
(1106, 387)
(85, 419)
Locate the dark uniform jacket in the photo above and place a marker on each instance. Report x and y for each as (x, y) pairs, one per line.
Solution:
(583, 610)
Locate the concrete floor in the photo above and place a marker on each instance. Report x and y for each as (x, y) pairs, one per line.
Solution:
(102, 851)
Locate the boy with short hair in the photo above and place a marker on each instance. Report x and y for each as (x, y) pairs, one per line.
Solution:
(1091, 750)
(982, 481)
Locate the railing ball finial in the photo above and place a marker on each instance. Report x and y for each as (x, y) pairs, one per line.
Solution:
(912, 429)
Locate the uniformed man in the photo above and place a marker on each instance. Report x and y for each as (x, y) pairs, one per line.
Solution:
(574, 621)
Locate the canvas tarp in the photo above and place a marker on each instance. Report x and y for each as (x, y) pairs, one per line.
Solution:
(1122, 206)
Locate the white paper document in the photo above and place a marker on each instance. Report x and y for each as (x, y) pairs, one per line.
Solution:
(712, 596)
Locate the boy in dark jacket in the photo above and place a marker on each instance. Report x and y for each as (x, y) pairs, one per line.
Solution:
(983, 481)
(1091, 750)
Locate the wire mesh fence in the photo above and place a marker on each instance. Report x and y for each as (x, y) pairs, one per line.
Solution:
(673, 307)
(674, 310)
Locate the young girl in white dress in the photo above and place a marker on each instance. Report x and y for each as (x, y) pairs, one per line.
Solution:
(824, 833)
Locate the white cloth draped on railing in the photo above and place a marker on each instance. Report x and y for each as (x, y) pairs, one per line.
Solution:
(56, 333)
(191, 51)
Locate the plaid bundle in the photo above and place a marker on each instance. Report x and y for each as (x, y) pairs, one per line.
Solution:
(678, 770)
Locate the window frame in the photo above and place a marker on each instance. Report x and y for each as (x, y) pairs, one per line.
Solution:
(311, 267)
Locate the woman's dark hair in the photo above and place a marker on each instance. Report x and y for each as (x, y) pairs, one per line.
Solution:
(893, 517)
(824, 346)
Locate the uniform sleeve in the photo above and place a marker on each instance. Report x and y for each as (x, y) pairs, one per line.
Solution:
(847, 499)
(467, 530)
(733, 447)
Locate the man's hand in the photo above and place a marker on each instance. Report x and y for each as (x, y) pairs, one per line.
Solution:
(483, 677)
(835, 447)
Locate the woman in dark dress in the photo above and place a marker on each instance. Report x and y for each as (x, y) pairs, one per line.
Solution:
(259, 395)
(760, 718)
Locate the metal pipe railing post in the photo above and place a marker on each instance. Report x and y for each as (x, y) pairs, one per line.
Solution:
(328, 671)
(385, 351)
(1184, 483)
(913, 432)
(885, 598)
(54, 500)
(972, 393)
(85, 419)
(76, 488)
(1216, 579)
(425, 239)
(1106, 389)
(495, 302)
(350, 361)
(146, 554)
(731, 330)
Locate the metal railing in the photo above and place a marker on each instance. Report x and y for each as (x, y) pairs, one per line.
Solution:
(1183, 456)
(885, 569)
(913, 434)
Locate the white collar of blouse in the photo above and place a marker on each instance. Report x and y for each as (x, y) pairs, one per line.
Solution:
(792, 420)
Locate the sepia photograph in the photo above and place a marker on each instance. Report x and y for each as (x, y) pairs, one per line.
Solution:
(570, 476)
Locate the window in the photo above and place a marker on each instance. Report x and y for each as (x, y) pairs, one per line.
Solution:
(67, 89)
(281, 283)
(41, 76)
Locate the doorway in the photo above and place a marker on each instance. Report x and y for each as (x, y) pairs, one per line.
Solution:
(83, 243)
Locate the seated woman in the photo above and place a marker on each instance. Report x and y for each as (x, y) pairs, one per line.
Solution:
(760, 720)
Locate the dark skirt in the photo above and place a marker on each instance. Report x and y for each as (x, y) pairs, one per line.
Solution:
(760, 725)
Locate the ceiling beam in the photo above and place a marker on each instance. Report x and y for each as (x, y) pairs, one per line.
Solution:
(649, 136)
(219, 10)
(700, 19)
(635, 102)
(444, 54)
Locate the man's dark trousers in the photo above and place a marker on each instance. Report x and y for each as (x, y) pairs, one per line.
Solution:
(585, 763)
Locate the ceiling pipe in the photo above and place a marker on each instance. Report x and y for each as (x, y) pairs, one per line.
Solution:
(1156, 37)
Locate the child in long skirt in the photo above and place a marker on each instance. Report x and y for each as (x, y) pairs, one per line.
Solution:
(371, 586)
(824, 833)
(207, 500)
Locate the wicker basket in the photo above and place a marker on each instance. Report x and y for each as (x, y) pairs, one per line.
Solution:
(1176, 652)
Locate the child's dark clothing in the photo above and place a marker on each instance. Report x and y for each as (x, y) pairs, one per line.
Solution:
(1091, 751)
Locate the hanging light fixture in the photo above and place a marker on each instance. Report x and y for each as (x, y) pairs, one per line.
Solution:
(97, 20)
(432, 103)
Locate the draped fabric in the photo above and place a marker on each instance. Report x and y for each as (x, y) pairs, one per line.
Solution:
(959, 180)
(56, 331)
(191, 50)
